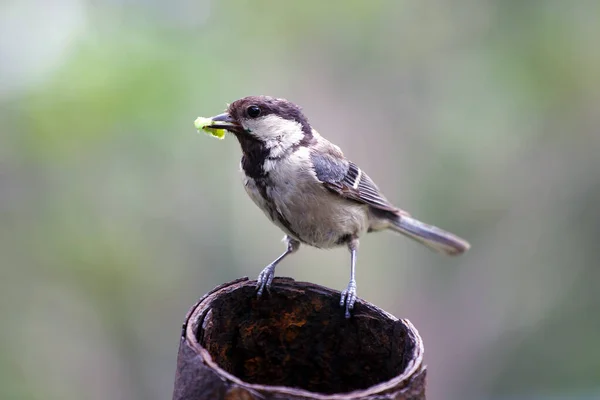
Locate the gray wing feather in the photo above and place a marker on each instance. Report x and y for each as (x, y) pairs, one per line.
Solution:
(329, 168)
(347, 180)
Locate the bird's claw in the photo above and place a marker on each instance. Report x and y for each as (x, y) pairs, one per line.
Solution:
(348, 297)
(265, 278)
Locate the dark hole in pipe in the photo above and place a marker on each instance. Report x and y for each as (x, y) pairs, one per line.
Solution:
(301, 339)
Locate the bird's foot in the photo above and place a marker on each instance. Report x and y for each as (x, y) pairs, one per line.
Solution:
(349, 297)
(265, 278)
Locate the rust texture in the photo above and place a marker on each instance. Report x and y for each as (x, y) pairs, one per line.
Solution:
(294, 343)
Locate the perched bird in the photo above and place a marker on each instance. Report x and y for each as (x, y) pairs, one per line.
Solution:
(306, 187)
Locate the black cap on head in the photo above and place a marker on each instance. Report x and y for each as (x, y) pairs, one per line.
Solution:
(260, 106)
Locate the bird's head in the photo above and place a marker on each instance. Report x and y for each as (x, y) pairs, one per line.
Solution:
(274, 124)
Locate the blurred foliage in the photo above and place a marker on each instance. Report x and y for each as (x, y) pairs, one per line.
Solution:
(115, 216)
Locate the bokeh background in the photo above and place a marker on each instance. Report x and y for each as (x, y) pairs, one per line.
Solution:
(115, 215)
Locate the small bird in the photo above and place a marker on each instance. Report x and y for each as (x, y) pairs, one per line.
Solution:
(305, 186)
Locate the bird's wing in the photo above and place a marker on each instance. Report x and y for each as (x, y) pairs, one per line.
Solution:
(346, 179)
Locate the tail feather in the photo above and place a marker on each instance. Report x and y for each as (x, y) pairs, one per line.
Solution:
(431, 236)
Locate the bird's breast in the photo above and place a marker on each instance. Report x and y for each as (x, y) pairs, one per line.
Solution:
(292, 197)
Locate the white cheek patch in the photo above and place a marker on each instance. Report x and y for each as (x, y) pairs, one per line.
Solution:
(277, 133)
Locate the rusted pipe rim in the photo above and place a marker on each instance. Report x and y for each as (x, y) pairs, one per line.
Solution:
(197, 314)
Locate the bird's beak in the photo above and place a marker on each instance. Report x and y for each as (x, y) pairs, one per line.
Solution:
(224, 121)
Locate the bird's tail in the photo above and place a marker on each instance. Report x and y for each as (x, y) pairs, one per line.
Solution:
(431, 236)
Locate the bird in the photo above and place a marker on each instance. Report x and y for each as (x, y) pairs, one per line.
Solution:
(307, 187)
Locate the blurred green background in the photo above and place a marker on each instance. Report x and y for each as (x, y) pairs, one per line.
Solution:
(115, 215)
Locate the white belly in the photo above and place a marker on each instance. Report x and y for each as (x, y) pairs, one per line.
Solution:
(313, 215)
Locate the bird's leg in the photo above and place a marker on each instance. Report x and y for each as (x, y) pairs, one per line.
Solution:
(349, 294)
(268, 273)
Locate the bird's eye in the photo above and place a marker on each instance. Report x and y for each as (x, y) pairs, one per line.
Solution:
(253, 111)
